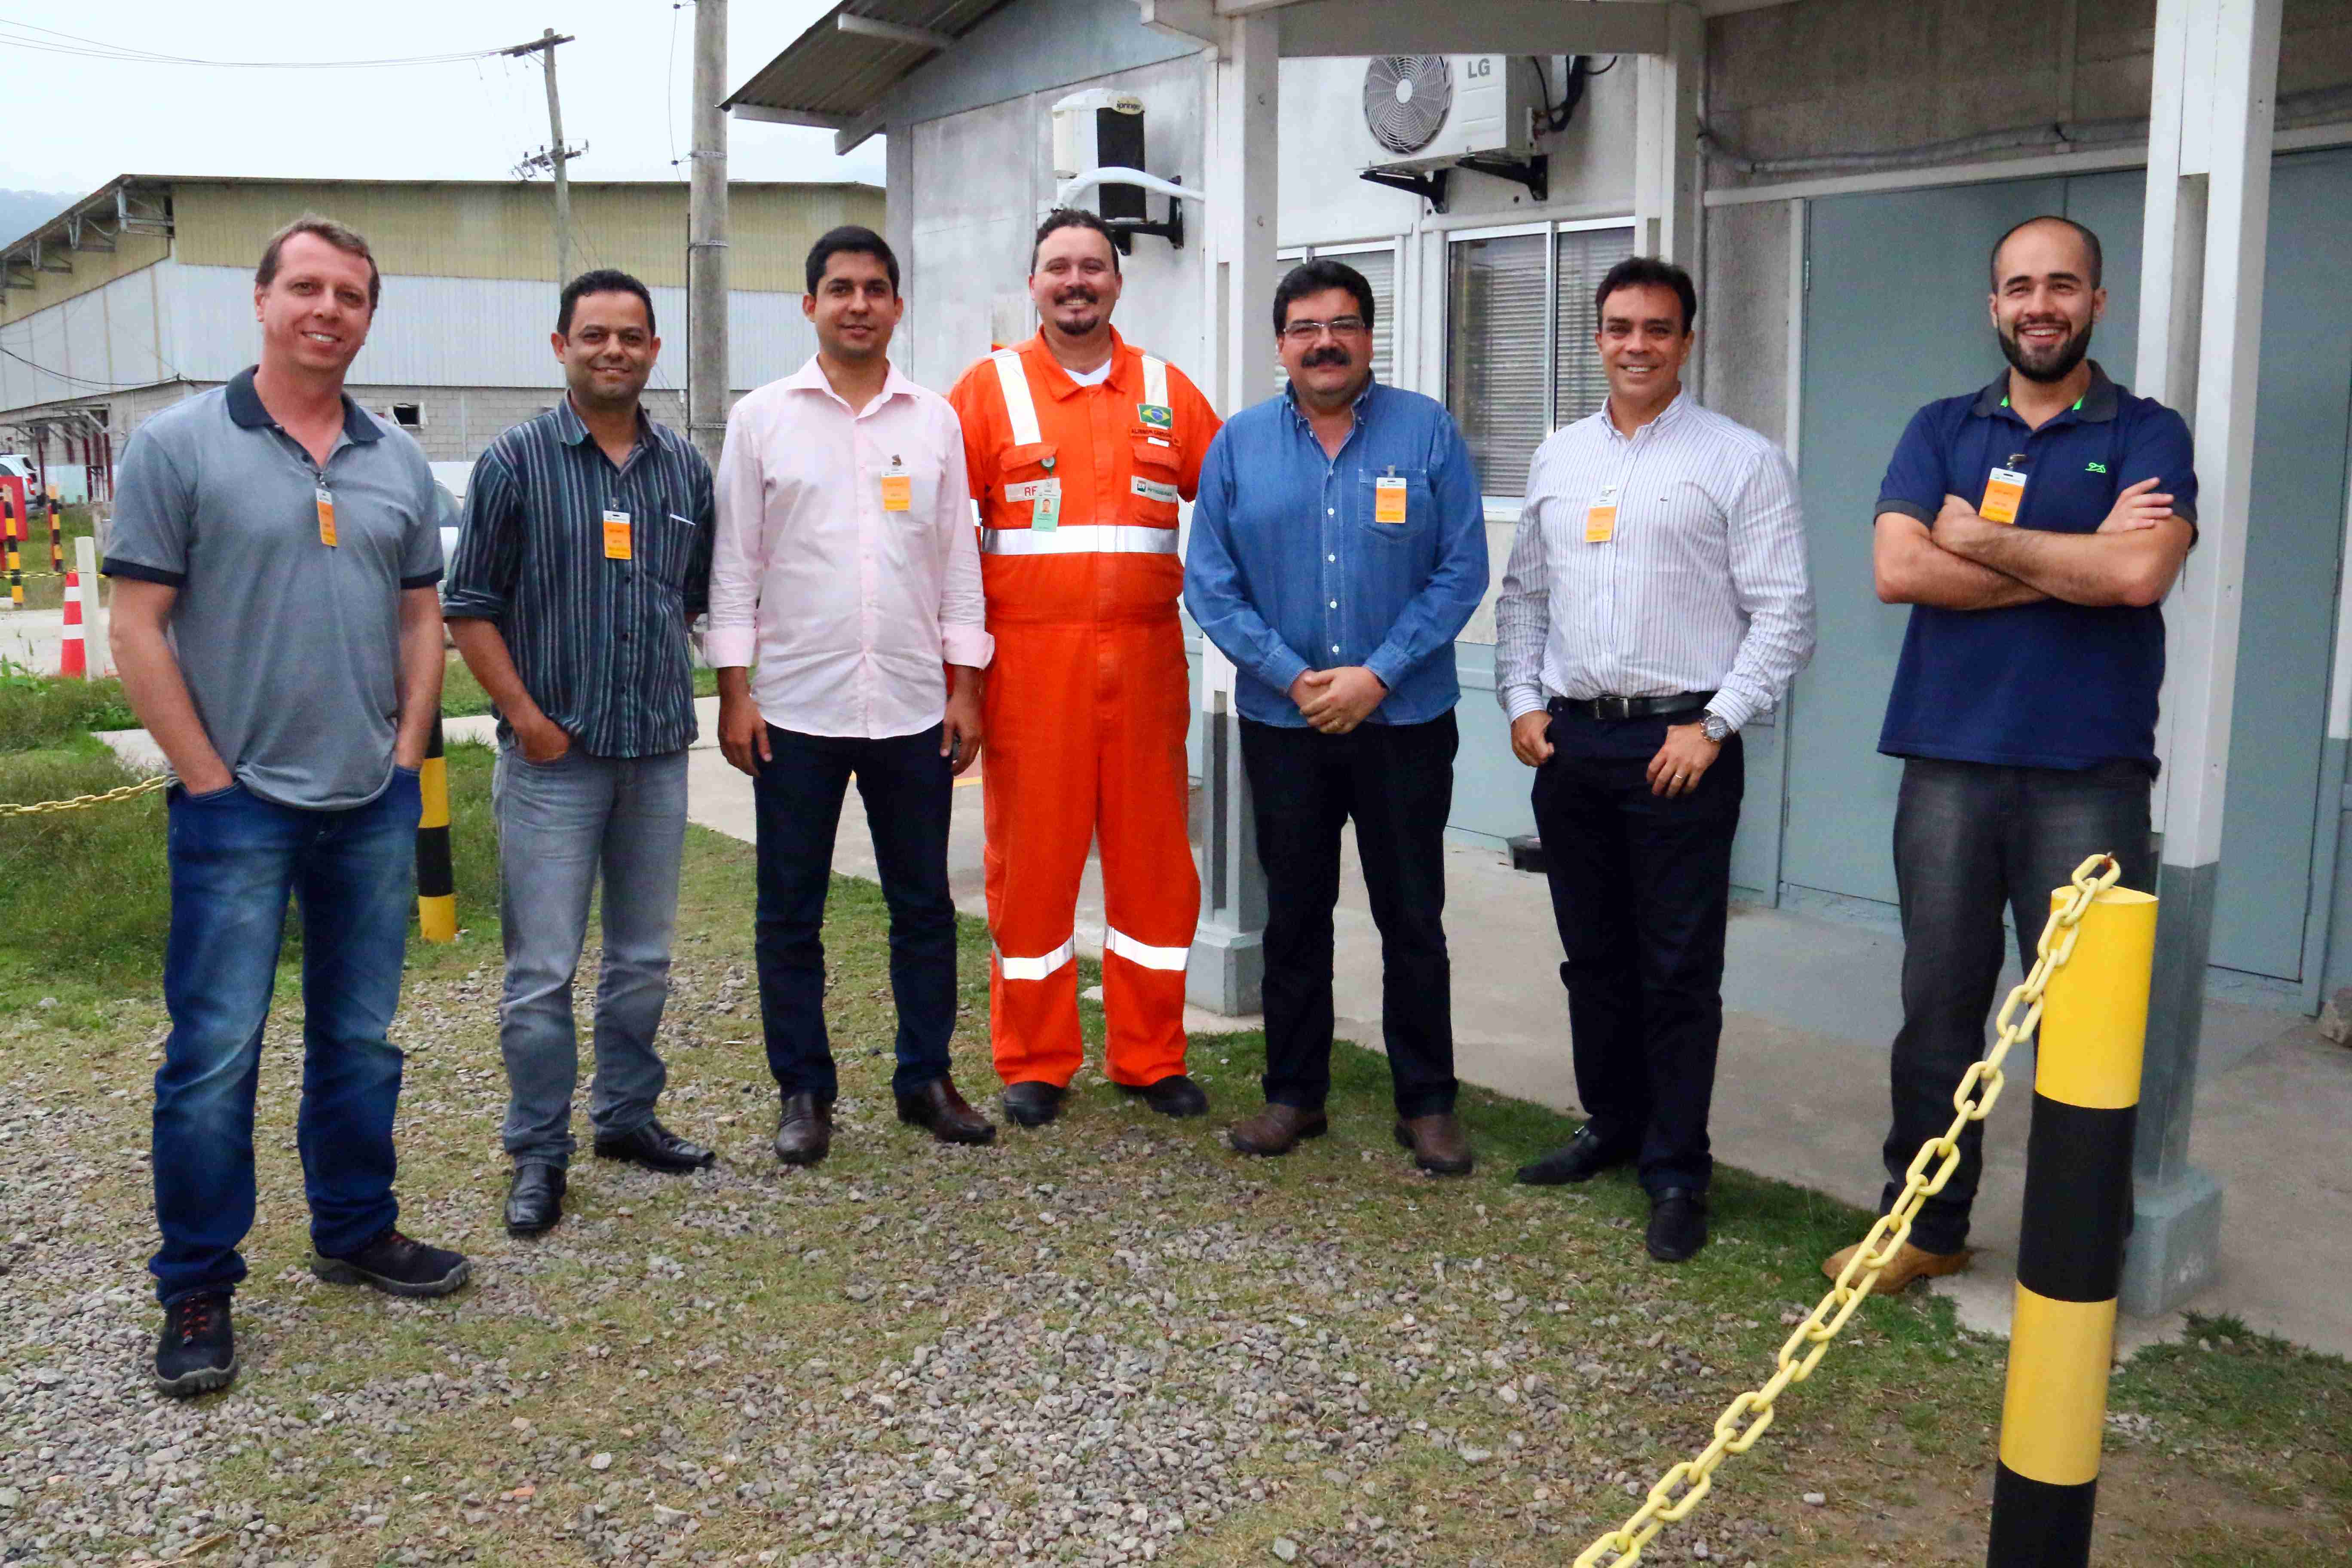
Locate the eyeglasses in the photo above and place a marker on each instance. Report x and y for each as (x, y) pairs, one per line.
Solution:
(1300, 331)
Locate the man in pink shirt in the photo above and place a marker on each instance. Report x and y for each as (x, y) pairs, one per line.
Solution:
(845, 567)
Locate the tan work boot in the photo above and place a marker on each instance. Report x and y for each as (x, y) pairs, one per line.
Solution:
(1910, 1263)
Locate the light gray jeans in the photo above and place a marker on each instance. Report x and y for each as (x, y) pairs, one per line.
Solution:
(560, 826)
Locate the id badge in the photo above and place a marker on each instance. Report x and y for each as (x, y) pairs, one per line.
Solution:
(1045, 510)
(898, 487)
(2004, 493)
(1601, 518)
(326, 499)
(616, 536)
(1388, 498)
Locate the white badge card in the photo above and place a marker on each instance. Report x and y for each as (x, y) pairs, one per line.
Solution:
(1600, 519)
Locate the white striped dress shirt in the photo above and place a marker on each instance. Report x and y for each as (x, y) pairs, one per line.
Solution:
(1701, 585)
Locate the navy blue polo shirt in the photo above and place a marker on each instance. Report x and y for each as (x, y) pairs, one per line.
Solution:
(2045, 685)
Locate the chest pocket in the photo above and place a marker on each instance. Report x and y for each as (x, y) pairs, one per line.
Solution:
(1026, 474)
(1152, 485)
(664, 543)
(1419, 525)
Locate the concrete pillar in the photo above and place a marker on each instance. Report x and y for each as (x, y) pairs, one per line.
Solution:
(2207, 232)
(1228, 959)
(1668, 170)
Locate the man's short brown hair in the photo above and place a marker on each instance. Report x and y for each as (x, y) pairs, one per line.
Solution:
(344, 237)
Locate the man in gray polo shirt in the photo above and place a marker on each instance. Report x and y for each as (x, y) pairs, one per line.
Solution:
(274, 554)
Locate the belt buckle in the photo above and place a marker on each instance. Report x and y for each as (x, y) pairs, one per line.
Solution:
(1614, 707)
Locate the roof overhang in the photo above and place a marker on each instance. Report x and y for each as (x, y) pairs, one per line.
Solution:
(835, 75)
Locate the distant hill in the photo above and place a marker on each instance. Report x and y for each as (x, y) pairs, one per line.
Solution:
(21, 212)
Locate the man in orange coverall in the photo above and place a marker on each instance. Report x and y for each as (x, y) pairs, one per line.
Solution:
(1078, 447)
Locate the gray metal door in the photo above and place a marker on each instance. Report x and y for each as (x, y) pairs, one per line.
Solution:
(1896, 316)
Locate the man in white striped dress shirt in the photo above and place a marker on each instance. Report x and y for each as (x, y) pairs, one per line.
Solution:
(1656, 601)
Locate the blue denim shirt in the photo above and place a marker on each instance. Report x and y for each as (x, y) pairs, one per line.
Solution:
(1289, 567)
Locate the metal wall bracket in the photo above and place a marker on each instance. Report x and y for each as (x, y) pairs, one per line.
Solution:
(1123, 230)
(1534, 172)
(1430, 187)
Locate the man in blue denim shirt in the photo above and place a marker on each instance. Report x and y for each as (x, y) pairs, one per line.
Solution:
(1336, 581)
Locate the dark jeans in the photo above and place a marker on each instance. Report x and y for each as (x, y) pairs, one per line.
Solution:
(906, 786)
(1971, 840)
(1396, 781)
(235, 860)
(1640, 889)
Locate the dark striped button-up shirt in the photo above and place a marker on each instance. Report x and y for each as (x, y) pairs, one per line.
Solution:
(599, 635)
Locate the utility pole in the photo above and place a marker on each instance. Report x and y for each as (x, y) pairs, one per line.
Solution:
(557, 155)
(706, 248)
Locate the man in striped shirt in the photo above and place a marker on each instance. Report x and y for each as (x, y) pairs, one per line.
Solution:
(585, 554)
(1656, 600)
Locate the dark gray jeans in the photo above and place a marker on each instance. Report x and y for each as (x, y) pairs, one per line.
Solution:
(560, 827)
(1972, 840)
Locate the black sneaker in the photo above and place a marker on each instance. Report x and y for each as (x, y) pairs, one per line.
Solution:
(196, 1352)
(396, 1266)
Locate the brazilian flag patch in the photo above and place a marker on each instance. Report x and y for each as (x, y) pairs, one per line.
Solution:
(1157, 416)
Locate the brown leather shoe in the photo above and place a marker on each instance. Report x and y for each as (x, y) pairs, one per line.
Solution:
(1276, 1130)
(1438, 1143)
(804, 1131)
(936, 1108)
(1910, 1263)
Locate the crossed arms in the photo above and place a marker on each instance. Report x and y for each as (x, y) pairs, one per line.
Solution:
(1961, 562)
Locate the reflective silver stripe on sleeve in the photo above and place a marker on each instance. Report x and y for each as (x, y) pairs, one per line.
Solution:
(1020, 409)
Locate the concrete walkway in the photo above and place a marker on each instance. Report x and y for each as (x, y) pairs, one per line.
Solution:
(1809, 1008)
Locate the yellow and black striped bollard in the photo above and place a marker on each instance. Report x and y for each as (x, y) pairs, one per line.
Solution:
(57, 533)
(437, 882)
(2070, 1256)
(15, 572)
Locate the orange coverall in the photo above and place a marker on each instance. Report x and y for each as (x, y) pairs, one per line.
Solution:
(1088, 699)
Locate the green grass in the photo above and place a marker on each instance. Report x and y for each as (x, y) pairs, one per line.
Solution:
(37, 710)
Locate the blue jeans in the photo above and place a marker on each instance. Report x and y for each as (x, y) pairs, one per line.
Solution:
(560, 825)
(235, 858)
(906, 786)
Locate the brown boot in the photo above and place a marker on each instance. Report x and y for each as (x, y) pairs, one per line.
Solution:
(1910, 1263)
(1276, 1130)
(1438, 1143)
(804, 1131)
(939, 1110)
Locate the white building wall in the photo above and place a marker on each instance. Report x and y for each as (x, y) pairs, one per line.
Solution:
(87, 345)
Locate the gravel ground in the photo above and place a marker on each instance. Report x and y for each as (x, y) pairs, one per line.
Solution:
(1109, 1341)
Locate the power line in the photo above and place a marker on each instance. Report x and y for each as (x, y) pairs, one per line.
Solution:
(53, 41)
(67, 375)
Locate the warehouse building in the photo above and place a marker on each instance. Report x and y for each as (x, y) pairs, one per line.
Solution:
(141, 293)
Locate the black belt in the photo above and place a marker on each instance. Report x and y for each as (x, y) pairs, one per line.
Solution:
(1630, 707)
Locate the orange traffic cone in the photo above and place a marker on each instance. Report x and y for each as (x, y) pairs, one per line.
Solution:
(73, 659)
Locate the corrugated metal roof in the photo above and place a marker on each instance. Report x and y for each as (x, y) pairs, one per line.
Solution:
(830, 72)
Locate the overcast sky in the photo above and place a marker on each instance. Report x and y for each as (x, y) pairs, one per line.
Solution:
(625, 88)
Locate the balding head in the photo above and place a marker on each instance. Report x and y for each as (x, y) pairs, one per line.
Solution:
(2084, 258)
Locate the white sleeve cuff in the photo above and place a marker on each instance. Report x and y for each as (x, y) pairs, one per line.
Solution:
(730, 647)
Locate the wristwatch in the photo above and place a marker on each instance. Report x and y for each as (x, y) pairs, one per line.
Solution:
(1715, 727)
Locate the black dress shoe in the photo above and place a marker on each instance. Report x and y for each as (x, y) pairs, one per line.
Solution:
(804, 1129)
(196, 1352)
(534, 1199)
(1033, 1103)
(654, 1147)
(936, 1108)
(1174, 1095)
(1677, 1224)
(1585, 1157)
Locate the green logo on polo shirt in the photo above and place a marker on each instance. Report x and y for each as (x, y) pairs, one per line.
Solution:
(2094, 468)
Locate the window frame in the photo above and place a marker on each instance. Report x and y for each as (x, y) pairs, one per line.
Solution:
(1290, 254)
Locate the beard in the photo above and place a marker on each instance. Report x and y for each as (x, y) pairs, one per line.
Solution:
(2048, 365)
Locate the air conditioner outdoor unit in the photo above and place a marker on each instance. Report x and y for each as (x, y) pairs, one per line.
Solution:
(1432, 110)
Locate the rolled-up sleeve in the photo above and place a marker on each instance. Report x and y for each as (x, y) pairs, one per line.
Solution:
(489, 544)
(1766, 537)
(738, 545)
(963, 608)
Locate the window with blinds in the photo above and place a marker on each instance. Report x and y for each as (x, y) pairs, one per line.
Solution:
(1379, 267)
(1579, 385)
(1496, 383)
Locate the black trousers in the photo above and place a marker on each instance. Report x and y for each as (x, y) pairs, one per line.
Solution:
(798, 793)
(1972, 840)
(1396, 783)
(1640, 889)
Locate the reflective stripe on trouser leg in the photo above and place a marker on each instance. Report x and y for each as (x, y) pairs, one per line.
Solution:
(1151, 892)
(1038, 790)
(2078, 1193)
(1039, 968)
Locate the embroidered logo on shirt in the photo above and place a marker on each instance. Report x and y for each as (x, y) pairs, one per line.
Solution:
(2095, 468)
(1152, 489)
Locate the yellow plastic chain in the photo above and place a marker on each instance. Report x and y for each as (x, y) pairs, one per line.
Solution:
(83, 802)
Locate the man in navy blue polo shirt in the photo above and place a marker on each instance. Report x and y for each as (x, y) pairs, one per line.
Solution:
(2034, 527)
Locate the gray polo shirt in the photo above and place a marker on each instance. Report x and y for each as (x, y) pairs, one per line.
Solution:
(290, 647)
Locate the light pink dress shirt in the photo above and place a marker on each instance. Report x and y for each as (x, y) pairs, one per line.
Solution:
(850, 609)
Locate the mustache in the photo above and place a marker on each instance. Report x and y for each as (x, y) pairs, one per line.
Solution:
(1331, 353)
(1078, 294)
